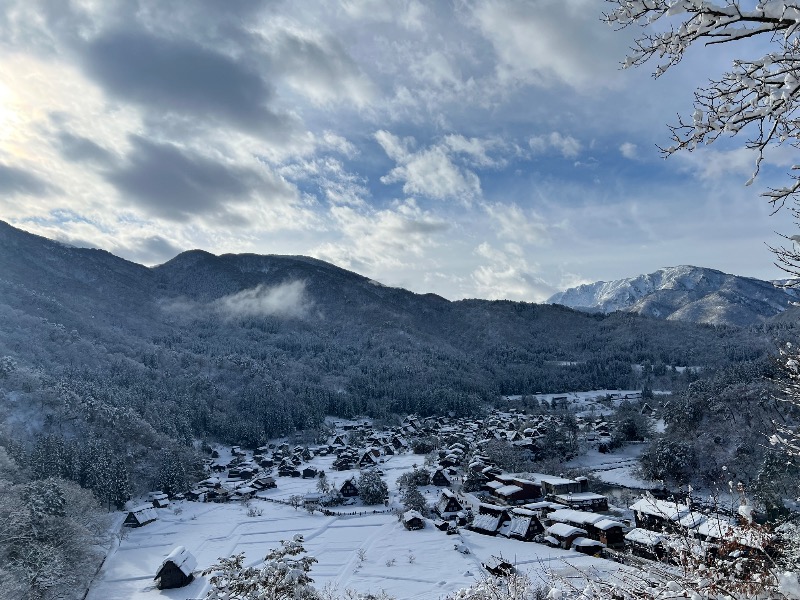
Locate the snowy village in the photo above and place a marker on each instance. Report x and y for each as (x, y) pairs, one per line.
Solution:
(399, 300)
(382, 518)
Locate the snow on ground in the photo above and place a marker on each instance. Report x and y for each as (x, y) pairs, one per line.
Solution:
(615, 468)
(406, 564)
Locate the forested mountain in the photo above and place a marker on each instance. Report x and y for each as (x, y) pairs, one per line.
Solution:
(243, 347)
(683, 293)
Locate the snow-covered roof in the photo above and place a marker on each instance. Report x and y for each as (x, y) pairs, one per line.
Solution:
(181, 558)
(575, 516)
(411, 514)
(540, 505)
(555, 480)
(582, 541)
(486, 522)
(519, 525)
(606, 524)
(661, 508)
(577, 496)
(716, 528)
(692, 520)
(563, 530)
(508, 490)
(644, 536)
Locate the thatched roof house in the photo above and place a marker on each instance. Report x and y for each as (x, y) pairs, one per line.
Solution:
(176, 570)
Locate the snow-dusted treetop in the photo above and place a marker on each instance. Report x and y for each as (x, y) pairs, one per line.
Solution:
(758, 94)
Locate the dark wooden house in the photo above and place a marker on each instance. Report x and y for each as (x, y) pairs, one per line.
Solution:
(448, 505)
(525, 525)
(646, 544)
(498, 566)
(588, 546)
(349, 489)
(562, 535)
(139, 516)
(176, 570)
(659, 515)
(440, 478)
(609, 532)
(490, 519)
(413, 520)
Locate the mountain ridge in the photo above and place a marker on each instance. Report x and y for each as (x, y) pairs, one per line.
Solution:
(684, 293)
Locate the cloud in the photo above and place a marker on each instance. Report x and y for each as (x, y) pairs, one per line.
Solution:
(566, 145)
(514, 225)
(320, 69)
(15, 181)
(629, 150)
(375, 240)
(430, 172)
(284, 300)
(410, 14)
(507, 274)
(178, 184)
(547, 42)
(151, 250)
(475, 149)
(76, 148)
(182, 77)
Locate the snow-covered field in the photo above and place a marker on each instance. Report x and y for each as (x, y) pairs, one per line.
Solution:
(406, 564)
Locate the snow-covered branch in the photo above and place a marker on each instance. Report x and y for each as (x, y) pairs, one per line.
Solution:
(758, 95)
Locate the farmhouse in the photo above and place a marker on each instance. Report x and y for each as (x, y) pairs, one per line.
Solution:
(658, 515)
(524, 525)
(609, 532)
(489, 519)
(139, 516)
(413, 520)
(562, 535)
(646, 544)
(556, 486)
(440, 478)
(587, 546)
(498, 566)
(448, 505)
(349, 489)
(159, 499)
(176, 570)
(583, 501)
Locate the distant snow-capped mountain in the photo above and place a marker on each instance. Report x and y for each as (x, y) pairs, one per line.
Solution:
(683, 293)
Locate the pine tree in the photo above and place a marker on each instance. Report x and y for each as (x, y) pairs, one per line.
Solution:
(413, 499)
(371, 488)
(284, 576)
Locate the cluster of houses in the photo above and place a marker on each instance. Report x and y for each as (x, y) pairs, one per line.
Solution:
(663, 528)
(538, 509)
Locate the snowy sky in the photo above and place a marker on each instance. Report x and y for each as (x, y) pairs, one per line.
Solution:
(470, 148)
